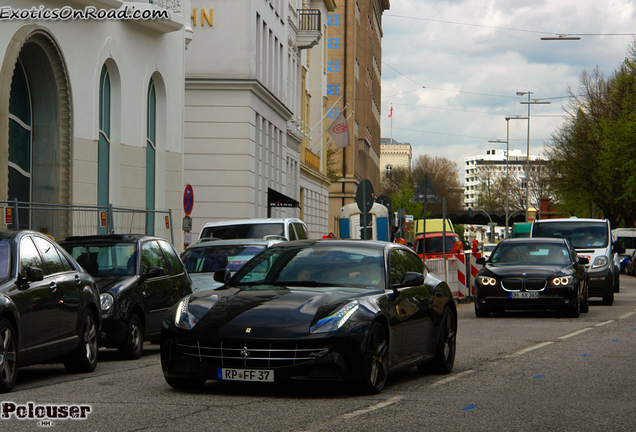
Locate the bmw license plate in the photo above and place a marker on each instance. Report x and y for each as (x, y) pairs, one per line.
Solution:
(245, 375)
(524, 295)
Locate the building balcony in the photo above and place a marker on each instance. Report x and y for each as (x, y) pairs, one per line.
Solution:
(312, 159)
(174, 22)
(309, 28)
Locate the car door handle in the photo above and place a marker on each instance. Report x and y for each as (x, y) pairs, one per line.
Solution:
(53, 286)
(78, 279)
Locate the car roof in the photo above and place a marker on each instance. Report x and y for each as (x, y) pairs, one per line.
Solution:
(212, 242)
(555, 240)
(571, 219)
(252, 221)
(109, 237)
(370, 244)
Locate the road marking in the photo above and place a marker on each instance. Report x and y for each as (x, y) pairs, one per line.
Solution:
(532, 348)
(578, 332)
(627, 315)
(387, 402)
(603, 323)
(469, 407)
(538, 376)
(452, 378)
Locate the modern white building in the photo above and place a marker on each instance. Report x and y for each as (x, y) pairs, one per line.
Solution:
(495, 161)
(394, 154)
(252, 95)
(91, 107)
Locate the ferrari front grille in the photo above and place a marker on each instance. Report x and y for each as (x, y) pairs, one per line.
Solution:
(251, 354)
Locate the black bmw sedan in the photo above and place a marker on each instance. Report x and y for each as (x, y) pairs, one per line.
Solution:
(49, 307)
(314, 310)
(532, 273)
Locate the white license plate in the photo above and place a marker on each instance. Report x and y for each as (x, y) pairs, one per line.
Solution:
(245, 375)
(524, 295)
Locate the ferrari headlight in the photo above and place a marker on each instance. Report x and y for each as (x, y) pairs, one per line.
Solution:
(183, 318)
(487, 280)
(106, 301)
(562, 281)
(599, 261)
(336, 320)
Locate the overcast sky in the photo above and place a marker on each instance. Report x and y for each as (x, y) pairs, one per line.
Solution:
(473, 56)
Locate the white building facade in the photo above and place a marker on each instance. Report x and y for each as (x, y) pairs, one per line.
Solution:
(247, 110)
(91, 110)
(394, 154)
(495, 160)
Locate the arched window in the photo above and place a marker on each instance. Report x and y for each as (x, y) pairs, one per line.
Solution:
(151, 150)
(387, 171)
(20, 136)
(103, 152)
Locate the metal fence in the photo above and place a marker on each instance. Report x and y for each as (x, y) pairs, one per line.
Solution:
(61, 221)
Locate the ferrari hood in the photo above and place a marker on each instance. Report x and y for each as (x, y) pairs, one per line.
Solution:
(266, 312)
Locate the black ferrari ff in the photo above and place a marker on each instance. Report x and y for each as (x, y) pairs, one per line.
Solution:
(532, 273)
(314, 310)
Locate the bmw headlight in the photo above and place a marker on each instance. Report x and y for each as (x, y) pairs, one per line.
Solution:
(599, 261)
(562, 281)
(106, 301)
(487, 280)
(183, 318)
(336, 320)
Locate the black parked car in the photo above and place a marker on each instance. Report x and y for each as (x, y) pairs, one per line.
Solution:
(49, 307)
(139, 277)
(532, 273)
(317, 310)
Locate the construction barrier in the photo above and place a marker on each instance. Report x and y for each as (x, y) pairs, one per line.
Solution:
(461, 276)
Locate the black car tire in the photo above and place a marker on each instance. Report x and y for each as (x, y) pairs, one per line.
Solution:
(444, 359)
(481, 312)
(133, 345)
(617, 283)
(375, 370)
(585, 306)
(185, 383)
(84, 358)
(8, 356)
(574, 311)
(608, 300)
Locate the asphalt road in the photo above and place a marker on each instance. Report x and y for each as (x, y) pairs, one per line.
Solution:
(520, 371)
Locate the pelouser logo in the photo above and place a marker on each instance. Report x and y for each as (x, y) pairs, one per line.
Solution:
(32, 411)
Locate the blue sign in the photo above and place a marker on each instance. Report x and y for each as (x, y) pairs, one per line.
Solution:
(188, 200)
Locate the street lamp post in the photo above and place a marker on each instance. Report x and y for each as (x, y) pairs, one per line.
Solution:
(508, 166)
(534, 102)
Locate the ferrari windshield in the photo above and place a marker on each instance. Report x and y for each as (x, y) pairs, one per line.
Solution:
(316, 265)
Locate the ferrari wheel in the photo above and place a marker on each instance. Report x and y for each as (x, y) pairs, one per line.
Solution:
(446, 346)
(375, 366)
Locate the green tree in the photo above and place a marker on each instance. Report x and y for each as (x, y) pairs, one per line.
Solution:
(592, 155)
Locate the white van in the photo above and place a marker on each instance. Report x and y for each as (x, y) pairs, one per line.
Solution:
(627, 237)
(289, 228)
(592, 239)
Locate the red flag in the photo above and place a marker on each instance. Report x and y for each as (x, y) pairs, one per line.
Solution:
(391, 113)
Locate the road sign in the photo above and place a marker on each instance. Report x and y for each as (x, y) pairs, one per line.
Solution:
(188, 199)
(425, 192)
(8, 215)
(364, 196)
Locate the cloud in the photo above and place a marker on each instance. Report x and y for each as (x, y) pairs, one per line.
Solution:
(472, 57)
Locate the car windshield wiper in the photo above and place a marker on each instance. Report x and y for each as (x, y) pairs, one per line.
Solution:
(306, 283)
